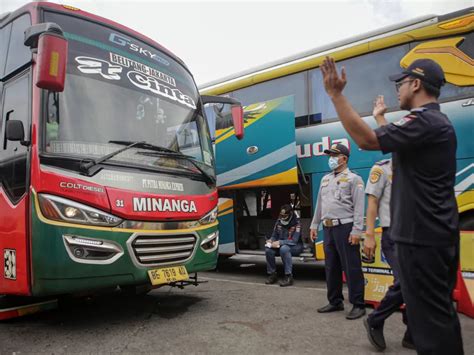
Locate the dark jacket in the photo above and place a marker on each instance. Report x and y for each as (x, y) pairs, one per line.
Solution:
(289, 234)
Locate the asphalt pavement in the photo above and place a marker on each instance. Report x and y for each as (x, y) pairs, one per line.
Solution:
(233, 312)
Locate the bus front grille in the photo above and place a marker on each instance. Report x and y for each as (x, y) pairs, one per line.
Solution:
(163, 249)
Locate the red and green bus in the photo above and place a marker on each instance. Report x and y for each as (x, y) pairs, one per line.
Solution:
(107, 167)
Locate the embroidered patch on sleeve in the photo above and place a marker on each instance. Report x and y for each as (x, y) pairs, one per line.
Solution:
(404, 120)
(375, 175)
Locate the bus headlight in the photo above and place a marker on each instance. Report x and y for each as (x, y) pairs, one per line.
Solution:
(88, 250)
(211, 242)
(209, 218)
(64, 210)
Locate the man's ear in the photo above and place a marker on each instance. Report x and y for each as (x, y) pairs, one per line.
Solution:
(417, 85)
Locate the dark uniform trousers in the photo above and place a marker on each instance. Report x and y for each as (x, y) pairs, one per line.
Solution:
(340, 256)
(428, 277)
(393, 298)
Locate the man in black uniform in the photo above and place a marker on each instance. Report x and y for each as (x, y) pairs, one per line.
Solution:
(423, 206)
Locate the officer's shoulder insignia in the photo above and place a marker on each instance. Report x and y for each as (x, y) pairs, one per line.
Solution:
(360, 185)
(324, 182)
(375, 175)
(383, 162)
(404, 120)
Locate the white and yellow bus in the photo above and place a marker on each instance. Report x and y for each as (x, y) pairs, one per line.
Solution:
(290, 121)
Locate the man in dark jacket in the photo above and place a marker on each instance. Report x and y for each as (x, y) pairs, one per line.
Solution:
(285, 241)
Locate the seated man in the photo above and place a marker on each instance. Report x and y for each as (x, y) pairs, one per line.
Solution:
(285, 241)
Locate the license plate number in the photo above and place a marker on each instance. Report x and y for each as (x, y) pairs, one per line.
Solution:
(167, 275)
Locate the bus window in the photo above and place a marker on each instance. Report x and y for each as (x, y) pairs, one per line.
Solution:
(13, 154)
(364, 83)
(211, 120)
(467, 46)
(219, 117)
(295, 84)
(321, 103)
(4, 37)
(18, 53)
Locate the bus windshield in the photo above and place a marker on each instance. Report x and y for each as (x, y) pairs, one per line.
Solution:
(118, 90)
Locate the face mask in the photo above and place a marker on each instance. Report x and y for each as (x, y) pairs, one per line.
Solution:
(333, 163)
(285, 219)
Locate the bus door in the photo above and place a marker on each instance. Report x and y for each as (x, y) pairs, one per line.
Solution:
(15, 91)
(249, 168)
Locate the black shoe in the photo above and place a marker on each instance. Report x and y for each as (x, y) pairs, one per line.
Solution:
(287, 281)
(356, 312)
(375, 336)
(331, 308)
(407, 342)
(272, 278)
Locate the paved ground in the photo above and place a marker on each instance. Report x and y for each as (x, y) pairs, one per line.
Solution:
(233, 313)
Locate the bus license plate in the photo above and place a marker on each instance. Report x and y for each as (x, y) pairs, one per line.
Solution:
(167, 275)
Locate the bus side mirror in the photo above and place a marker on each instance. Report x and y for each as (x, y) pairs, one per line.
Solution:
(15, 130)
(236, 110)
(51, 45)
(238, 119)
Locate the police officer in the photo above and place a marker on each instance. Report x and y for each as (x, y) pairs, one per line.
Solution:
(287, 242)
(424, 214)
(340, 207)
(378, 191)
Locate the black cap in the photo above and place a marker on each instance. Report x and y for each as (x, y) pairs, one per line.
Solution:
(286, 212)
(425, 69)
(285, 209)
(338, 149)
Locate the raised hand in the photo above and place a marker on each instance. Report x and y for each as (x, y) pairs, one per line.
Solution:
(379, 106)
(333, 83)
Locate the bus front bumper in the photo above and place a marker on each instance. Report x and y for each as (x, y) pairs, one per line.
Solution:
(72, 258)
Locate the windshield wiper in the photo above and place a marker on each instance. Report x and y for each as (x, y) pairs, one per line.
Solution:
(179, 155)
(145, 145)
(86, 167)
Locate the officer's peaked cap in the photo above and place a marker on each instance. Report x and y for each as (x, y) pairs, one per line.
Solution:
(425, 69)
(338, 148)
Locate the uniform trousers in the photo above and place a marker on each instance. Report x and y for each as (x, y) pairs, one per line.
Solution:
(393, 298)
(428, 277)
(341, 256)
